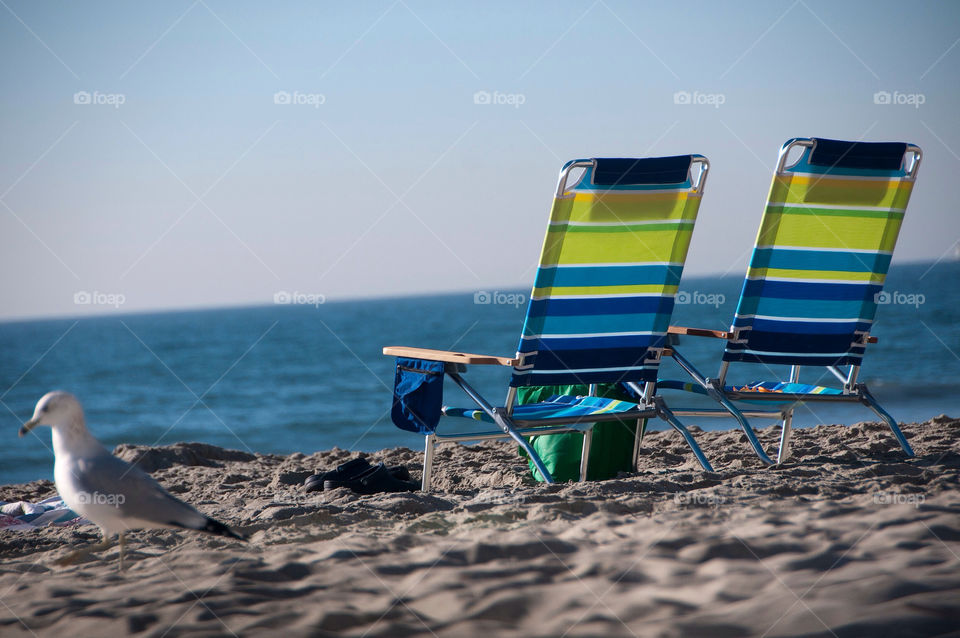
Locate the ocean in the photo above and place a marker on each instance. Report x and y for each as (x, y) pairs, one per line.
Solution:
(300, 378)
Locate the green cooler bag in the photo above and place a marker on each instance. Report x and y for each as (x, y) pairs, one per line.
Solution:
(611, 450)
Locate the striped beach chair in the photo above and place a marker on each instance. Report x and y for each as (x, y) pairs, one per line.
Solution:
(814, 281)
(601, 304)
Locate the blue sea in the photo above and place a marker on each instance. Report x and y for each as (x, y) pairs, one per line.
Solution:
(301, 378)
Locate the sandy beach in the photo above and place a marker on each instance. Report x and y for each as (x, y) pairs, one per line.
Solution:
(848, 539)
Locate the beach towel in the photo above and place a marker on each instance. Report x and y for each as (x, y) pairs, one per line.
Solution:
(612, 448)
(21, 515)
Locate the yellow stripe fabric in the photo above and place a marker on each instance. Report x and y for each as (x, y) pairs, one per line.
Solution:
(819, 189)
(828, 231)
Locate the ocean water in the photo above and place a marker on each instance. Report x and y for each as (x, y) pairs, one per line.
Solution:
(289, 378)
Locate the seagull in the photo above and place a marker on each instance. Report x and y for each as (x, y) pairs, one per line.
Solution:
(104, 489)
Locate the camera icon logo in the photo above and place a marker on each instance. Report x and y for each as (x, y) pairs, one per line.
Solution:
(882, 298)
(481, 97)
(82, 298)
(281, 97)
(681, 97)
(882, 97)
(282, 297)
(81, 97)
(482, 297)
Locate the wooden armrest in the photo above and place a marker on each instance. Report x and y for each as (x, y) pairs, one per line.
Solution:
(718, 334)
(699, 332)
(450, 357)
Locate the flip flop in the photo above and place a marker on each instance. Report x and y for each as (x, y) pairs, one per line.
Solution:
(373, 481)
(349, 470)
(352, 468)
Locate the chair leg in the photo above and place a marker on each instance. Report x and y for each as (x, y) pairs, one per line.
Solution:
(638, 441)
(745, 426)
(871, 403)
(428, 449)
(501, 418)
(664, 413)
(785, 435)
(585, 453)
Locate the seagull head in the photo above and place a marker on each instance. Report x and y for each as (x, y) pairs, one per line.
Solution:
(53, 409)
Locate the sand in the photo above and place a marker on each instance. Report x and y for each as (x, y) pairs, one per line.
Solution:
(848, 539)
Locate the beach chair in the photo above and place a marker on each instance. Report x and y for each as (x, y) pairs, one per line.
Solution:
(604, 292)
(814, 280)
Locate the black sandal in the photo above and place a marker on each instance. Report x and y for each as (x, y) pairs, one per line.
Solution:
(373, 481)
(352, 469)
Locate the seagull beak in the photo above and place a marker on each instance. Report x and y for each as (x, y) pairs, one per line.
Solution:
(29, 425)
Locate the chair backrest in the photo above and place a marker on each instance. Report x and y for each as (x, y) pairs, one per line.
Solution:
(822, 252)
(609, 270)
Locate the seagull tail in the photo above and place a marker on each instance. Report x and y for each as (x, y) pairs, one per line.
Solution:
(216, 527)
(213, 526)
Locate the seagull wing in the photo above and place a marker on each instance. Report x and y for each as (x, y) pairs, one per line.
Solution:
(135, 495)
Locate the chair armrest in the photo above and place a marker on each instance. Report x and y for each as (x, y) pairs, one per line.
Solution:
(718, 334)
(449, 357)
(699, 332)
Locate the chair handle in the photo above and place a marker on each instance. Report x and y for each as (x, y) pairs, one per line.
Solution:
(785, 151)
(565, 173)
(589, 163)
(702, 175)
(915, 164)
(911, 174)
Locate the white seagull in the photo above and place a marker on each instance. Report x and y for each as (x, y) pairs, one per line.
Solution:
(104, 489)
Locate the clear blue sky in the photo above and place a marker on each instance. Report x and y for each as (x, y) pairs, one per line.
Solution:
(201, 190)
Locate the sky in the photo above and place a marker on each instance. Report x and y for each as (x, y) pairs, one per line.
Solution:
(208, 153)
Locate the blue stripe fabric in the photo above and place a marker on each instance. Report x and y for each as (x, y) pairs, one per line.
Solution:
(824, 290)
(784, 386)
(594, 324)
(807, 327)
(849, 309)
(578, 359)
(643, 373)
(793, 259)
(764, 387)
(557, 406)
(886, 156)
(604, 342)
(625, 305)
(570, 276)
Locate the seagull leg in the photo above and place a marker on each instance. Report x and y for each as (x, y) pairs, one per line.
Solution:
(76, 556)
